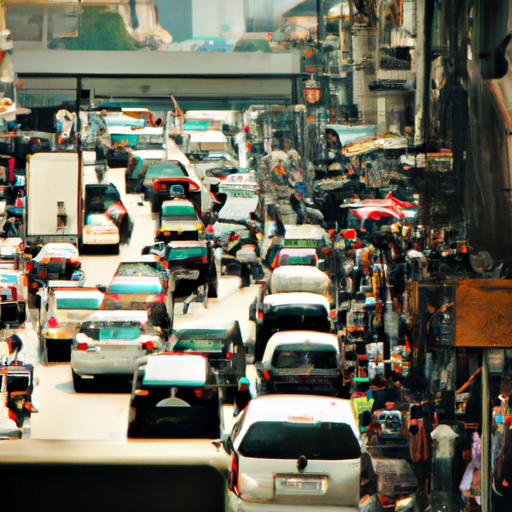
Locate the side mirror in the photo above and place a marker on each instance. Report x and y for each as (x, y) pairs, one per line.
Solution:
(102, 287)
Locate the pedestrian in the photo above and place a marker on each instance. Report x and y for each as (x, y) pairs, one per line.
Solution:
(242, 396)
(297, 204)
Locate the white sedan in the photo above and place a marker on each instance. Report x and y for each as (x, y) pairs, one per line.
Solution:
(110, 343)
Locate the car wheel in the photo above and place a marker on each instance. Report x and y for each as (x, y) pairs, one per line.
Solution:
(57, 351)
(80, 384)
(213, 291)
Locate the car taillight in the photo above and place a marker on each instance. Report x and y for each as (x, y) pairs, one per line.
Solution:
(229, 356)
(233, 475)
(260, 315)
(266, 374)
(112, 296)
(159, 186)
(52, 322)
(82, 346)
(199, 393)
(158, 297)
(148, 345)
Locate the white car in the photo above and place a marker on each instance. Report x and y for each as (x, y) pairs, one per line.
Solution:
(110, 343)
(62, 311)
(100, 230)
(301, 362)
(295, 451)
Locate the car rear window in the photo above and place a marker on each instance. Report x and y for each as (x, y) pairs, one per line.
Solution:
(164, 171)
(287, 440)
(119, 333)
(186, 253)
(198, 345)
(136, 288)
(173, 211)
(78, 302)
(299, 355)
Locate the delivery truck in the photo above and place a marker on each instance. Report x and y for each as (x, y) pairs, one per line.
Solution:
(60, 208)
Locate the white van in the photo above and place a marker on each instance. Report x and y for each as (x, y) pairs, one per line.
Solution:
(298, 450)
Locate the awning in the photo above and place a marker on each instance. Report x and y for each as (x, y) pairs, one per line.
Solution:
(369, 145)
(348, 134)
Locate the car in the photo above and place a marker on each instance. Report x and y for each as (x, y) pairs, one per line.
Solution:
(55, 261)
(179, 221)
(136, 284)
(110, 343)
(136, 162)
(162, 169)
(221, 342)
(297, 256)
(294, 311)
(174, 396)
(190, 265)
(133, 292)
(62, 311)
(106, 216)
(301, 362)
(290, 450)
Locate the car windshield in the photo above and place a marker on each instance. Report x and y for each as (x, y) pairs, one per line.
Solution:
(164, 171)
(179, 212)
(287, 440)
(78, 302)
(322, 357)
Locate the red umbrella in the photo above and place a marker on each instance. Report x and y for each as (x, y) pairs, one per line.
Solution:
(402, 204)
(376, 213)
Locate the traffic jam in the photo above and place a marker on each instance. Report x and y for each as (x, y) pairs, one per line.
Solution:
(317, 405)
(304, 298)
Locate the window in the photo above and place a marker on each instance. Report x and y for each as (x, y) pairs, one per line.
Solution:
(138, 287)
(300, 355)
(78, 302)
(164, 171)
(283, 440)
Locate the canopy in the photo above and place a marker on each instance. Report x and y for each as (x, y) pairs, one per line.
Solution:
(349, 133)
(376, 213)
(368, 145)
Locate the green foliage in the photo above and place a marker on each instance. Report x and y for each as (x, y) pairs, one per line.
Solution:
(100, 29)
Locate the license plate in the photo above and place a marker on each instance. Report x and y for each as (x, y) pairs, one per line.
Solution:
(186, 274)
(290, 485)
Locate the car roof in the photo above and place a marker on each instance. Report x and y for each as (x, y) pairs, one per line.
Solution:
(131, 279)
(175, 369)
(281, 299)
(177, 203)
(294, 337)
(300, 409)
(123, 315)
(77, 292)
(145, 258)
(298, 251)
(209, 325)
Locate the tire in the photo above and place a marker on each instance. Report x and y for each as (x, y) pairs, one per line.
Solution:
(213, 292)
(57, 351)
(80, 384)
